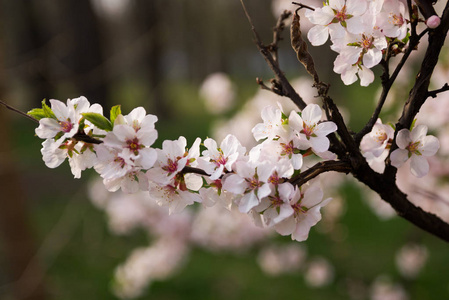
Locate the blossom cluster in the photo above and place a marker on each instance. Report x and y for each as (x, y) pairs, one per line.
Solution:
(360, 31)
(256, 181)
(412, 144)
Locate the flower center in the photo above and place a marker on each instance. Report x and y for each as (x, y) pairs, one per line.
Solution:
(171, 167)
(341, 16)
(274, 179)
(134, 145)
(413, 148)
(287, 149)
(367, 42)
(66, 126)
(308, 130)
(120, 161)
(397, 20)
(220, 160)
(381, 136)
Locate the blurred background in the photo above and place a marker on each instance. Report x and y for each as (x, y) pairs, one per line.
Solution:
(193, 64)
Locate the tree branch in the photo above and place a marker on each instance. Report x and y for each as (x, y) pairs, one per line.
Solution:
(18, 111)
(287, 89)
(319, 168)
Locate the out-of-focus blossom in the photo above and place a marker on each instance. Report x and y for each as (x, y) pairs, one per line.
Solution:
(384, 289)
(276, 260)
(319, 273)
(218, 93)
(218, 229)
(410, 260)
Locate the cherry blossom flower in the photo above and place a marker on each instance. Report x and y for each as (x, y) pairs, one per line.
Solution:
(310, 128)
(216, 160)
(276, 207)
(306, 202)
(250, 180)
(171, 159)
(391, 20)
(415, 145)
(334, 18)
(67, 118)
(378, 139)
(272, 123)
(175, 198)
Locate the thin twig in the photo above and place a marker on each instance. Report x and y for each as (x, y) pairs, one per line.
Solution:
(287, 89)
(434, 93)
(18, 111)
(319, 168)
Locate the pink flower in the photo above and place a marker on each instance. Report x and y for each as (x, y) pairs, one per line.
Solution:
(415, 145)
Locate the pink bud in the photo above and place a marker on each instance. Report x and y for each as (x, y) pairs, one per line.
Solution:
(433, 21)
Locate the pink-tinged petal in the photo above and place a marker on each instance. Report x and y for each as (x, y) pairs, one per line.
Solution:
(285, 211)
(372, 58)
(354, 25)
(217, 172)
(124, 132)
(295, 121)
(430, 145)
(137, 114)
(286, 226)
(297, 161)
(148, 157)
(403, 138)
(419, 166)
(337, 4)
(147, 137)
(325, 128)
(349, 76)
(263, 191)
(96, 108)
(312, 196)
(60, 110)
(248, 202)
(418, 133)
(48, 128)
(398, 157)
(235, 184)
(52, 155)
(321, 16)
(366, 76)
(319, 144)
(318, 35)
(312, 114)
(111, 140)
(356, 7)
(194, 151)
(148, 122)
(81, 103)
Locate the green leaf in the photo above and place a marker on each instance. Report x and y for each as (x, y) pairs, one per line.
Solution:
(37, 113)
(413, 125)
(47, 111)
(98, 120)
(115, 111)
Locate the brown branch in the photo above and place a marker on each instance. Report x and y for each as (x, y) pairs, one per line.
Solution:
(434, 93)
(18, 111)
(319, 168)
(389, 192)
(287, 89)
(277, 34)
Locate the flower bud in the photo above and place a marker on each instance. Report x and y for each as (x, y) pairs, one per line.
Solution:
(433, 22)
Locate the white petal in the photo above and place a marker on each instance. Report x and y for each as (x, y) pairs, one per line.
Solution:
(419, 166)
(430, 145)
(318, 35)
(398, 157)
(403, 138)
